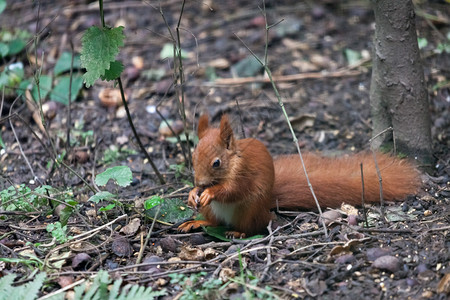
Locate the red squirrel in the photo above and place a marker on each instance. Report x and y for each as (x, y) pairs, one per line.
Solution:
(237, 182)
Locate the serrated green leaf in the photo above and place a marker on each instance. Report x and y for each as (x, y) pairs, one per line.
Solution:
(64, 62)
(6, 283)
(101, 196)
(152, 202)
(32, 288)
(100, 47)
(114, 71)
(121, 174)
(60, 92)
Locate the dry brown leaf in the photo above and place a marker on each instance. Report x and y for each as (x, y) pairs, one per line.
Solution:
(225, 274)
(190, 253)
(132, 227)
(349, 209)
(444, 284)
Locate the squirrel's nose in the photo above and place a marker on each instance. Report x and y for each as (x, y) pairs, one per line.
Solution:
(202, 183)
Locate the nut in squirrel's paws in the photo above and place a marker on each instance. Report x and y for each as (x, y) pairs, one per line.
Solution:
(194, 197)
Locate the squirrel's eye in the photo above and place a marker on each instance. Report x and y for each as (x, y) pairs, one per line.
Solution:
(216, 163)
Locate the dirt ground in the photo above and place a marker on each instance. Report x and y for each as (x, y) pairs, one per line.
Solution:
(329, 106)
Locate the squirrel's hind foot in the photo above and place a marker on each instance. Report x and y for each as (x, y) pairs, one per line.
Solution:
(191, 225)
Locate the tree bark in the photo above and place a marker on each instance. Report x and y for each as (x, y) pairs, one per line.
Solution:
(398, 92)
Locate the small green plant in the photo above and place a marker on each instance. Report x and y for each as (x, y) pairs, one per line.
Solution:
(25, 291)
(21, 198)
(121, 175)
(56, 87)
(444, 47)
(42, 199)
(101, 287)
(194, 287)
(179, 168)
(250, 283)
(441, 47)
(114, 154)
(32, 262)
(59, 232)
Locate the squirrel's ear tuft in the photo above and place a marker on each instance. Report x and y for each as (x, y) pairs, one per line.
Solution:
(226, 132)
(203, 125)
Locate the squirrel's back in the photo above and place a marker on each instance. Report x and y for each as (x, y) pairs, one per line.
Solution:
(337, 180)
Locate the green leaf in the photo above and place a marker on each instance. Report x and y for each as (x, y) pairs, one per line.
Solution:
(101, 196)
(45, 85)
(442, 47)
(32, 288)
(64, 62)
(60, 92)
(28, 262)
(107, 207)
(167, 52)
(152, 202)
(100, 47)
(65, 214)
(16, 46)
(2, 5)
(24, 291)
(154, 74)
(422, 42)
(12, 75)
(246, 67)
(171, 211)
(4, 49)
(219, 232)
(114, 71)
(352, 56)
(6, 283)
(121, 174)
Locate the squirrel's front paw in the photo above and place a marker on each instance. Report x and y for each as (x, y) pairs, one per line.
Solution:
(206, 197)
(194, 198)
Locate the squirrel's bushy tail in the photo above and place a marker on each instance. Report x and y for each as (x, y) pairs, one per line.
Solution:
(337, 180)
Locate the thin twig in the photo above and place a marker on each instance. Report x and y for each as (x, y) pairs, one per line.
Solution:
(264, 275)
(69, 106)
(20, 145)
(178, 74)
(149, 234)
(136, 136)
(362, 196)
(62, 290)
(286, 78)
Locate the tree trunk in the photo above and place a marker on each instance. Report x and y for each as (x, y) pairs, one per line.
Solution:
(398, 93)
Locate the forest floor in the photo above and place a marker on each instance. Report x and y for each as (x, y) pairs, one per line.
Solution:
(325, 45)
